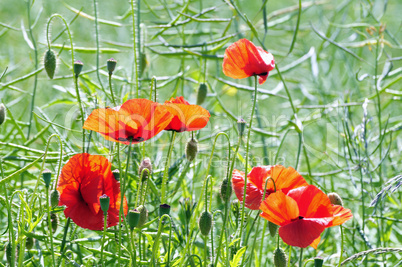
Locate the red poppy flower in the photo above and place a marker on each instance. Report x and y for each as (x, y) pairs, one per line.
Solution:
(285, 179)
(135, 121)
(302, 214)
(186, 117)
(82, 181)
(243, 59)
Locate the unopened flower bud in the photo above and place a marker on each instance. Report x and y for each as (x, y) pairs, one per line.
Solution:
(54, 221)
(116, 174)
(133, 217)
(78, 65)
(318, 262)
(225, 190)
(111, 65)
(191, 149)
(104, 203)
(335, 199)
(47, 176)
(273, 228)
(50, 63)
(145, 169)
(241, 126)
(280, 258)
(202, 93)
(205, 222)
(164, 209)
(54, 198)
(2, 113)
(29, 243)
(143, 216)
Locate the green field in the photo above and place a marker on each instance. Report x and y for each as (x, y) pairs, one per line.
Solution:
(331, 109)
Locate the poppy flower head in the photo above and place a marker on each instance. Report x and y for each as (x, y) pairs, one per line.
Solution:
(186, 117)
(284, 178)
(302, 214)
(135, 121)
(82, 181)
(243, 59)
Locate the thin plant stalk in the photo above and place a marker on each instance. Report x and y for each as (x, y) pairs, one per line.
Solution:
(103, 237)
(49, 226)
(135, 64)
(301, 258)
(341, 253)
(167, 164)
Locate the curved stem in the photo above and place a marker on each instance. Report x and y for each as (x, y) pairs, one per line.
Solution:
(167, 164)
(156, 241)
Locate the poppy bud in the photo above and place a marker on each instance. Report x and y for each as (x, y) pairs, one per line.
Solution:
(202, 93)
(50, 63)
(241, 126)
(111, 65)
(47, 176)
(2, 113)
(318, 262)
(280, 258)
(191, 149)
(29, 243)
(273, 228)
(164, 209)
(143, 216)
(335, 199)
(205, 222)
(225, 190)
(104, 203)
(54, 198)
(78, 68)
(54, 220)
(116, 174)
(146, 165)
(133, 218)
(9, 249)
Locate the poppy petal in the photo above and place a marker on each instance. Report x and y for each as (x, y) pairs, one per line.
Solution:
(285, 179)
(302, 233)
(279, 209)
(259, 175)
(341, 215)
(253, 194)
(316, 242)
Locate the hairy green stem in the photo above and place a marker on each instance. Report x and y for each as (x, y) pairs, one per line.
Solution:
(135, 64)
(49, 225)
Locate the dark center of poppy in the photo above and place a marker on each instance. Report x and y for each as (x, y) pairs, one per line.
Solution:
(298, 218)
(263, 74)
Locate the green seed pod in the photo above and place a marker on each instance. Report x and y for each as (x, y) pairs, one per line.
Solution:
(2, 113)
(202, 93)
(164, 209)
(318, 262)
(191, 149)
(29, 243)
(335, 199)
(273, 228)
(280, 258)
(133, 218)
(47, 177)
(145, 169)
(50, 63)
(111, 65)
(116, 174)
(54, 220)
(104, 203)
(78, 65)
(205, 222)
(9, 251)
(143, 216)
(241, 126)
(54, 198)
(225, 190)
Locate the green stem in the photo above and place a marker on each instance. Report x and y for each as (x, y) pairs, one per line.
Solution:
(77, 92)
(341, 253)
(111, 90)
(301, 257)
(63, 241)
(247, 155)
(104, 235)
(167, 164)
(136, 80)
(49, 225)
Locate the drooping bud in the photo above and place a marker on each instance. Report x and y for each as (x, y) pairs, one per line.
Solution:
(78, 65)
(54, 198)
(205, 222)
(111, 65)
(145, 169)
(2, 113)
(143, 216)
(164, 209)
(335, 199)
(280, 258)
(29, 243)
(191, 149)
(47, 176)
(54, 221)
(241, 126)
(318, 262)
(104, 203)
(202, 93)
(116, 174)
(133, 217)
(50, 63)
(225, 190)
(273, 228)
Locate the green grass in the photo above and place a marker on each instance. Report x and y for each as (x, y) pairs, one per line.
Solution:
(342, 68)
